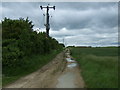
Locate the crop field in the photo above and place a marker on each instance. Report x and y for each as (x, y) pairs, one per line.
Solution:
(99, 66)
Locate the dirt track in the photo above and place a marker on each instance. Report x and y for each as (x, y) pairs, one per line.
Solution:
(55, 74)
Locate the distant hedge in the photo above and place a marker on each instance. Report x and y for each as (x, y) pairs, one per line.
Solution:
(19, 41)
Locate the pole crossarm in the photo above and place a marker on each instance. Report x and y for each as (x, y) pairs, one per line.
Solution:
(47, 7)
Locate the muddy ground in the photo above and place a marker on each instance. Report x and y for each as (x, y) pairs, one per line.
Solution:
(59, 73)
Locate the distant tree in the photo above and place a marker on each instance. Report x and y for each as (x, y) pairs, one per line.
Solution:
(62, 44)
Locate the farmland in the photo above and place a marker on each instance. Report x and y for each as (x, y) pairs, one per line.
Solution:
(99, 66)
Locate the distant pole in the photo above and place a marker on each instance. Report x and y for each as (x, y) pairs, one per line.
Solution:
(47, 25)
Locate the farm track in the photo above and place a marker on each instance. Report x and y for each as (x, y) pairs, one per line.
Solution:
(56, 74)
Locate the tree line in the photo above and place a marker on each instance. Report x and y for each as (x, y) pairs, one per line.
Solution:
(19, 41)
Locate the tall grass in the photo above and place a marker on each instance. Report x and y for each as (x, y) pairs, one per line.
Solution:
(99, 66)
(30, 64)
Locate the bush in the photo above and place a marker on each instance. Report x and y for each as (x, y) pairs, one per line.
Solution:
(20, 41)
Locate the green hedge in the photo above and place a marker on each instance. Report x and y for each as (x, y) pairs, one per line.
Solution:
(19, 41)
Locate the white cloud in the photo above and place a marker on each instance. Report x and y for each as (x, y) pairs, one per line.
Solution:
(84, 37)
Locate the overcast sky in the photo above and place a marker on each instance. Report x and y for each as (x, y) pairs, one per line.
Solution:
(78, 23)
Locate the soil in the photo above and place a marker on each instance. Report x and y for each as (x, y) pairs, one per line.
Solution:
(59, 73)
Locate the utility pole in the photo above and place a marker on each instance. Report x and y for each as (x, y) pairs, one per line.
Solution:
(47, 25)
(63, 41)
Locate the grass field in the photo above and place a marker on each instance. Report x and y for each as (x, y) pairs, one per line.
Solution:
(31, 64)
(99, 66)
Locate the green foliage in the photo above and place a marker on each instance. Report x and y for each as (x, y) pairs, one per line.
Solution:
(97, 51)
(20, 41)
(99, 66)
(12, 29)
(29, 65)
(62, 44)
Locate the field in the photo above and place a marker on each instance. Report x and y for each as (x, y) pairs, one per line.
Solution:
(99, 66)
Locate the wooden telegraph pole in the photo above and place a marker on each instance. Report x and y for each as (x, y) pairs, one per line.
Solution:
(47, 25)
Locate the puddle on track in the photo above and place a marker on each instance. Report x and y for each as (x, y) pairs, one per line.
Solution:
(67, 79)
(70, 60)
(71, 63)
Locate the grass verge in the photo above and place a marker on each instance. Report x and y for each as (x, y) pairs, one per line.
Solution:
(31, 64)
(99, 66)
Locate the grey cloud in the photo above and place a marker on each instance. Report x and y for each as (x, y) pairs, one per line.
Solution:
(69, 15)
(83, 23)
(102, 17)
(83, 5)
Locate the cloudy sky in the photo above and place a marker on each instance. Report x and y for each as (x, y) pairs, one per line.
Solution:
(77, 23)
